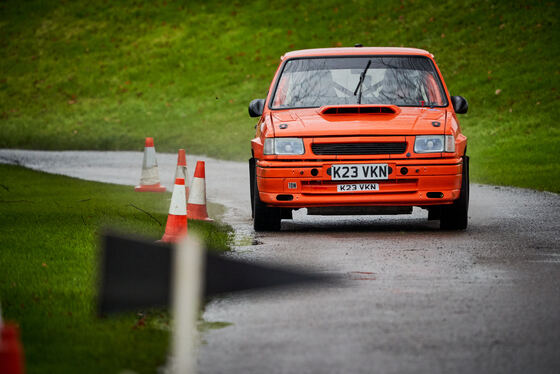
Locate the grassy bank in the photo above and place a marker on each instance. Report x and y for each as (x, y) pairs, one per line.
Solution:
(103, 75)
(48, 230)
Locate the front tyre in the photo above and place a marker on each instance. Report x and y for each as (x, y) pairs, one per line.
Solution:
(456, 215)
(264, 218)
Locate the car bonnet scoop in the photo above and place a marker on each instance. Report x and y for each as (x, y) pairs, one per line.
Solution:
(359, 109)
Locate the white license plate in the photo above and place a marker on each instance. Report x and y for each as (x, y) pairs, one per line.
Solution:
(357, 187)
(360, 172)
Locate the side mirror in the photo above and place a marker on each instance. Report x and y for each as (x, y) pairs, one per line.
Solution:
(256, 108)
(460, 104)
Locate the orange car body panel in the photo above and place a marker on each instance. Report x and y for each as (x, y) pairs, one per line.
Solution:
(427, 172)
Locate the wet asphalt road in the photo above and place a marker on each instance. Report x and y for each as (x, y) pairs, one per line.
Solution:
(415, 300)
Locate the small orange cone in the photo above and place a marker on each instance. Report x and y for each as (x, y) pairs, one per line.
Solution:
(149, 181)
(176, 226)
(182, 172)
(11, 351)
(196, 207)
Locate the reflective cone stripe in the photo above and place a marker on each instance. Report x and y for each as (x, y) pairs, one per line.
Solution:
(149, 181)
(176, 226)
(197, 196)
(182, 172)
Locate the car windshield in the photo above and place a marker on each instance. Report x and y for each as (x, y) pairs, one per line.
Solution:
(398, 80)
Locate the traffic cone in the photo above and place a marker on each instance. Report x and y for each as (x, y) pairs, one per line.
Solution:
(176, 226)
(11, 350)
(196, 207)
(181, 171)
(149, 181)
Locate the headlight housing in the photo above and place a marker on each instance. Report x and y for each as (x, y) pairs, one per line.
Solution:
(283, 146)
(434, 144)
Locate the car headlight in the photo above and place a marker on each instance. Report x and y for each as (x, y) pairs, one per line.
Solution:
(434, 144)
(283, 146)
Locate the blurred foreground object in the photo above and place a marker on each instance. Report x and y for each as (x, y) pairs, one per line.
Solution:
(11, 350)
(138, 274)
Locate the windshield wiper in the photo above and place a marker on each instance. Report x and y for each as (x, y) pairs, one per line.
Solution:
(362, 78)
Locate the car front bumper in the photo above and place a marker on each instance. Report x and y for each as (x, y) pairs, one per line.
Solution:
(299, 184)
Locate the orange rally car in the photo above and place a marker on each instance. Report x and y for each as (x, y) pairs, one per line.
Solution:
(358, 131)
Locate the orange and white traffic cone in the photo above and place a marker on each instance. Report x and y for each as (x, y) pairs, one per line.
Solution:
(182, 172)
(149, 181)
(11, 351)
(196, 207)
(176, 226)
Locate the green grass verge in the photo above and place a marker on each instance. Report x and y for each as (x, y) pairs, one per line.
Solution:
(49, 229)
(103, 75)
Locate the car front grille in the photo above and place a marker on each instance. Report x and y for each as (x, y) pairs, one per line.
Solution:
(359, 148)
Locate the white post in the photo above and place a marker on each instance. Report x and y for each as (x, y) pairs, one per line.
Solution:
(186, 292)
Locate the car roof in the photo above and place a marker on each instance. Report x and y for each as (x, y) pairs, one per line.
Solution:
(353, 51)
